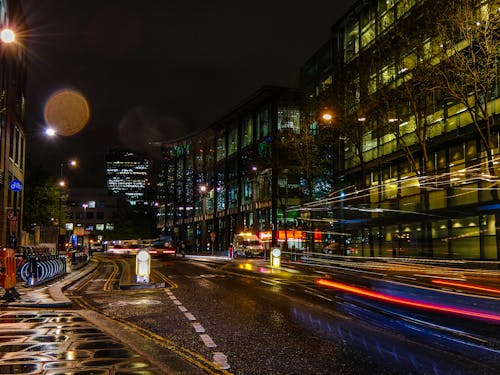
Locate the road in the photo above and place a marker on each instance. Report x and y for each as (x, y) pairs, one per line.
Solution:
(243, 317)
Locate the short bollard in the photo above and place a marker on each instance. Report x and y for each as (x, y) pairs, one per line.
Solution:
(68, 264)
(276, 258)
(142, 266)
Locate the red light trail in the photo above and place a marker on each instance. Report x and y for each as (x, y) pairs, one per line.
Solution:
(463, 285)
(408, 302)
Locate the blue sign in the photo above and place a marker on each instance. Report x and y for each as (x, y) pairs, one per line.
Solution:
(16, 185)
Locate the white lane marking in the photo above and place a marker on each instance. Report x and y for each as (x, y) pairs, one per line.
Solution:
(220, 360)
(189, 316)
(318, 295)
(198, 327)
(207, 340)
(406, 277)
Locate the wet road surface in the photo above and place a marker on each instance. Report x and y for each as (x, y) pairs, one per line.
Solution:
(241, 317)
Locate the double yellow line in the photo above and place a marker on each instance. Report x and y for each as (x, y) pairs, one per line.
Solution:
(192, 357)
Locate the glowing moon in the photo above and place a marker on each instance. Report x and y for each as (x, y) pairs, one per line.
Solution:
(67, 112)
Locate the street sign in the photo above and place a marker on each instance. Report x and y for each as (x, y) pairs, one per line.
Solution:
(16, 185)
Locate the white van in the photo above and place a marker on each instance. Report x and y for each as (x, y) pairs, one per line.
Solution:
(247, 244)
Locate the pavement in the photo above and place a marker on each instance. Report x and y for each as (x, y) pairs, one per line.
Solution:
(40, 333)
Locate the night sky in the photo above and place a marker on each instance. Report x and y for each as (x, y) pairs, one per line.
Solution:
(158, 70)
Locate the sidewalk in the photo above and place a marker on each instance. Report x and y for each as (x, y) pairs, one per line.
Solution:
(35, 338)
(50, 294)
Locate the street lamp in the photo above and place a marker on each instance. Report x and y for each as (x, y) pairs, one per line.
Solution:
(62, 185)
(71, 163)
(203, 193)
(7, 36)
(338, 158)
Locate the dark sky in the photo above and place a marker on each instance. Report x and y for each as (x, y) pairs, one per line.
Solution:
(159, 69)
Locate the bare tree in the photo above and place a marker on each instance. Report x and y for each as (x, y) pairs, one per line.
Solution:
(467, 46)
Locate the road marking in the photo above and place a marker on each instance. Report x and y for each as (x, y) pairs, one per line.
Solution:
(189, 316)
(207, 340)
(315, 294)
(198, 327)
(220, 360)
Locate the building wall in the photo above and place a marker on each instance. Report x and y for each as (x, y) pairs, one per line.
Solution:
(90, 214)
(444, 208)
(13, 69)
(219, 181)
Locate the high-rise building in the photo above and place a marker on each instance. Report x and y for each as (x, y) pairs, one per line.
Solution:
(128, 174)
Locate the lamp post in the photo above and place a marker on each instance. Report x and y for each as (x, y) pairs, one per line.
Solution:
(327, 118)
(62, 184)
(84, 206)
(203, 193)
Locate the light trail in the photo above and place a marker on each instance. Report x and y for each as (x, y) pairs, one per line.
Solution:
(468, 286)
(408, 302)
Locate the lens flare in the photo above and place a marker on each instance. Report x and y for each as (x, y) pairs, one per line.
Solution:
(67, 112)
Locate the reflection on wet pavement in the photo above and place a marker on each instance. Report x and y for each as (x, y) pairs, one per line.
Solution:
(62, 343)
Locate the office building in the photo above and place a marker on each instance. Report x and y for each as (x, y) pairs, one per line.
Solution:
(419, 160)
(128, 174)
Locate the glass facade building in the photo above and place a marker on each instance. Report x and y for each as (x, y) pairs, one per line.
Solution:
(219, 181)
(128, 173)
(409, 166)
(420, 164)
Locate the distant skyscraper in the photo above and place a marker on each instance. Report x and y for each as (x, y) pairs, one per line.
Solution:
(128, 173)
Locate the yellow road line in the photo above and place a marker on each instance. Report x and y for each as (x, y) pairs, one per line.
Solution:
(192, 357)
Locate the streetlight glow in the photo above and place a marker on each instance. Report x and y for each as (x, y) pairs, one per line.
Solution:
(327, 116)
(7, 36)
(51, 132)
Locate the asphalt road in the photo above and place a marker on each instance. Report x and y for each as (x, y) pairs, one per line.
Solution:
(246, 318)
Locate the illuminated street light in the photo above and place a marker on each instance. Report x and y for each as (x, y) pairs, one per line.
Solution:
(50, 132)
(326, 115)
(7, 36)
(62, 185)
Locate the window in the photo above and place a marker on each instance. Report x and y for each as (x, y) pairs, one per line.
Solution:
(247, 132)
(351, 41)
(289, 118)
(263, 123)
(232, 141)
(221, 148)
